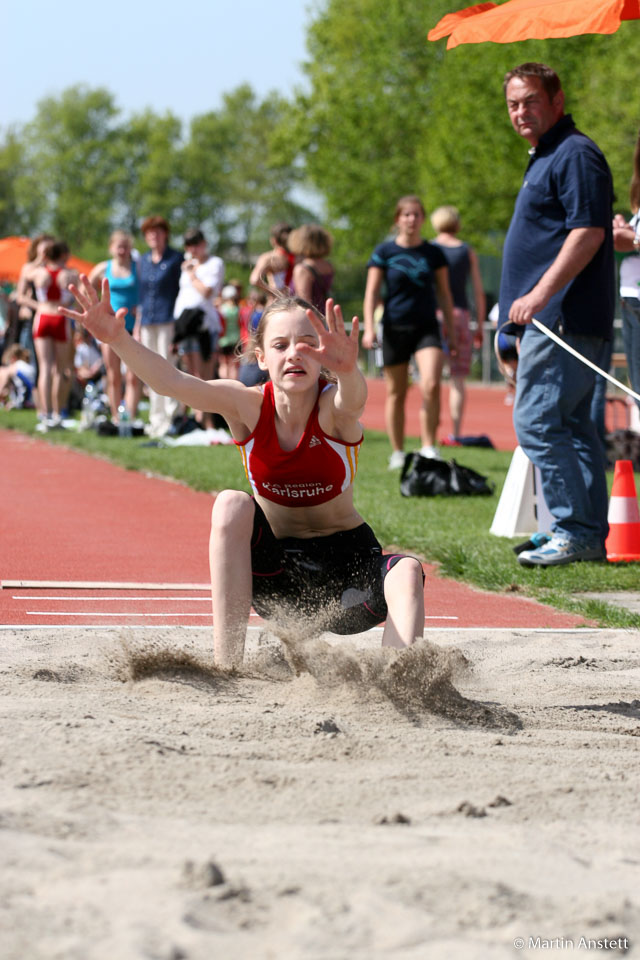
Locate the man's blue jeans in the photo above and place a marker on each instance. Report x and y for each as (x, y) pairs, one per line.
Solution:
(599, 402)
(552, 418)
(631, 334)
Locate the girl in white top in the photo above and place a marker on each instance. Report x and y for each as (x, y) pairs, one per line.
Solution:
(200, 284)
(626, 237)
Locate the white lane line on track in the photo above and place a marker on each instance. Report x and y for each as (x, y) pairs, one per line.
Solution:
(101, 613)
(62, 613)
(116, 599)
(97, 585)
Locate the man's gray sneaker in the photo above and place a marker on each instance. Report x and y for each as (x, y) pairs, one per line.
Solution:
(558, 551)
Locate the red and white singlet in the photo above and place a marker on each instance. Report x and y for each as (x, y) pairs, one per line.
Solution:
(317, 470)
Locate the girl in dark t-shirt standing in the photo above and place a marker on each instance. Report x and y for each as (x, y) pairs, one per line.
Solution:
(416, 278)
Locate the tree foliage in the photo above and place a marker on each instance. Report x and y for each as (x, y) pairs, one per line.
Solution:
(71, 162)
(149, 149)
(370, 75)
(17, 215)
(390, 113)
(80, 170)
(386, 113)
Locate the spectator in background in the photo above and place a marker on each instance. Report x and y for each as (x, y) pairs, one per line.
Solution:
(88, 360)
(17, 378)
(51, 330)
(250, 372)
(159, 273)
(198, 324)
(415, 275)
(122, 275)
(626, 237)
(6, 306)
(247, 308)
(230, 339)
(463, 267)
(313, 273)
(274, 269)
(25, 293)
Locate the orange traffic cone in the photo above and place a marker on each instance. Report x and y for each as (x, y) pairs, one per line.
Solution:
(623, 542)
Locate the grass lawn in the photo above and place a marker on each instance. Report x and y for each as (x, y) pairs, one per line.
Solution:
(450, 531)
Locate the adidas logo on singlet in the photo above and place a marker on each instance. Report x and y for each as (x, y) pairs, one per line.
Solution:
(314, 441)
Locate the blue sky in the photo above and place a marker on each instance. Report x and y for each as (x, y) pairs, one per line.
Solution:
(164, 55)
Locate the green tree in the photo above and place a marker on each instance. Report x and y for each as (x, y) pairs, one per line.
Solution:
(203, 176)
(370, 71)
(151, 180)
(73, 164)
(240, 166)
(20, 204)
(389, 113)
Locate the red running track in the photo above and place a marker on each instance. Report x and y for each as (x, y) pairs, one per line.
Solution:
(68, 517)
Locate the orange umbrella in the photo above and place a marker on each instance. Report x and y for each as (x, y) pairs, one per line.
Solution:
(13, 256)
(533, 20)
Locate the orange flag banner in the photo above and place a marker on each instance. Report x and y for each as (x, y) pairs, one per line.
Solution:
(533, 20)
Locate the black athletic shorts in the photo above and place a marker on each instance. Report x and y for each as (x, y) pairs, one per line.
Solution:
(400, 343)
(335, 583)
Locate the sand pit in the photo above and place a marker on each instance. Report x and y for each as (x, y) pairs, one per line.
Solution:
(330, 803)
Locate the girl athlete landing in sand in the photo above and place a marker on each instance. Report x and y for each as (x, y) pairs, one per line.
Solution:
(298, 549)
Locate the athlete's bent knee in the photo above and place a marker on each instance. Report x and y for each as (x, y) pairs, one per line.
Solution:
(232, 508)
(406, 575)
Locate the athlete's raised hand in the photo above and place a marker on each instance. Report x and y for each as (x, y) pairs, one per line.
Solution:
(337, 350)
(97, 314)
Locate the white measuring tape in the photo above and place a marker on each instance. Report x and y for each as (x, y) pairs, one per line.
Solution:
(556, 339)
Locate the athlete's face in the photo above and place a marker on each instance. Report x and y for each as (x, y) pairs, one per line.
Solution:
(280, 353)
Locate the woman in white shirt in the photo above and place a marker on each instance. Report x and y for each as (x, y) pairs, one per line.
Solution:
(198, 323)
(626, 238)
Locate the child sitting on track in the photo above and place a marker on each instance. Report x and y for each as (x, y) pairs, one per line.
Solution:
(297, 549)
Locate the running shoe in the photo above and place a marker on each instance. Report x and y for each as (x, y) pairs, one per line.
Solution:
(54, 422)
(560, 550)
(396, 460)
(432, 453)
(536, 540)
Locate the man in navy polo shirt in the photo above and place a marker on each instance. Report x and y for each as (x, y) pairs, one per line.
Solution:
(558, 267)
